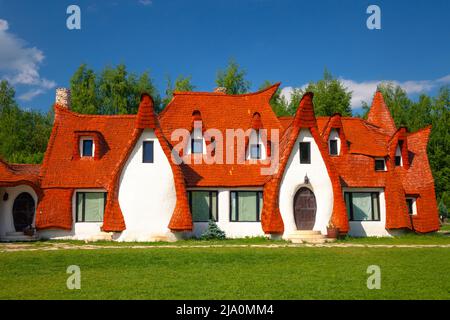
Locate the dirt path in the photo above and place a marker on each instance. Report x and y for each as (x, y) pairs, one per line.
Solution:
(15, 247)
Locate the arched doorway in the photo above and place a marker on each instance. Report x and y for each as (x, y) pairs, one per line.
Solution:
(305, 209)
(23, 211)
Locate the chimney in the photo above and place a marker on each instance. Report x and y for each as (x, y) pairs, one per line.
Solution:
(220, 90)
(63, 97)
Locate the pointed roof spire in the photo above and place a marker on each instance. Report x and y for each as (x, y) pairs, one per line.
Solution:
(146, 118)
(380, 115)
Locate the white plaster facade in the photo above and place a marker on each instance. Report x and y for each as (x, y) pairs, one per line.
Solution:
(147, 194)
(231, 229)
(6, 207)
(319, 184)
(370, 228)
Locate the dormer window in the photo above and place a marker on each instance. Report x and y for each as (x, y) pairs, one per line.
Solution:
(256, 149)
(398, 155)
(196, 145)
(334, 142)
(380, 164)
(87, 147)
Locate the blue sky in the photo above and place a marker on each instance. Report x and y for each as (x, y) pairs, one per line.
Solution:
(287, 41)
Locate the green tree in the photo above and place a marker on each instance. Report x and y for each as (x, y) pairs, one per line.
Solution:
(23, 134)
(233, 79)
(84, 91)
(278, 102)
(330, 96)
(181, 84)
(113, 91)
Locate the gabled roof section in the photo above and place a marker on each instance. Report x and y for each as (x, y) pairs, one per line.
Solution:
(221, 112)
(15, 174)
(380, 115)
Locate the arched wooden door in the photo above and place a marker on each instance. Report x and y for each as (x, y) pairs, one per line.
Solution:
(305, 209)
(23, 211)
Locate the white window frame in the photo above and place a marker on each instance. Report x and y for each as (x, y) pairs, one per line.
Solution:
(384, 161)
(398, 153)
(334, 136)
(81, 147)
(414, 205)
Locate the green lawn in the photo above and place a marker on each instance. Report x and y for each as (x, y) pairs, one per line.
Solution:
(227, 273)
(445, 227)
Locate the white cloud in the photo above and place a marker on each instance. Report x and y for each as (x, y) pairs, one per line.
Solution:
(19, 63)
(29, 95)
(364, 90)
(146, 2)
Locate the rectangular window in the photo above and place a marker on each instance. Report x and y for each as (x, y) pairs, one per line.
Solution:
(147, 151)
(90, 206)
(410, 203)
(363, 206)
(333, 147)
(398, 161)
(203, 205)
(246, 206)
(380, 165)
(88, 146)
(255, 151)
(197, 145)
(305, 152)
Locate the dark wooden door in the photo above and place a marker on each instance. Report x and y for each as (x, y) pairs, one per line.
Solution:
(305, 209)
(23, 211)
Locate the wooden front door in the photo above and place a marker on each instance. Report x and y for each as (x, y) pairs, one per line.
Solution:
(305, 209)
(23, 211)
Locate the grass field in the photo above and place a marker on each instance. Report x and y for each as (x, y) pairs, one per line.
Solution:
(227, 273)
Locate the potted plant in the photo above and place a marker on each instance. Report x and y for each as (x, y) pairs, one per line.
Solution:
(332, 231)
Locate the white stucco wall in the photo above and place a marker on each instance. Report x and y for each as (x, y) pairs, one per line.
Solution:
(370, 228)
(231, 229)
(147, 194)
(6, 207)
(334, 135)
(293, 180)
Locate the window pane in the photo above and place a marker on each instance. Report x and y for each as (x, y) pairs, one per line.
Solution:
(348, 204)
(87, 148)
(94, 206)
(214, 205)
(200, 206)
(255, 151)
(79, 207)
(233, 206)
(247, 206)
(305, 152)
(379, 165)
(398, 160)
(260, 205)
(197, 146)
(409, 203)
(333, 147)
(147, 152)
(362, 206)
(375, 205)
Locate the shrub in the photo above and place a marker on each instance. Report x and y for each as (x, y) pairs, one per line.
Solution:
(443, 211)
(213, 232)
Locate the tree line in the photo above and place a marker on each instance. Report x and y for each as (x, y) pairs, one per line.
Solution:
(24, 133)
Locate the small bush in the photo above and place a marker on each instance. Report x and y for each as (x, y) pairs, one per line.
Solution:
(213, 232)
(443, 211)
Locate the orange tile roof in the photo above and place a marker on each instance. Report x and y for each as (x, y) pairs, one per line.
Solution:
(63, 171)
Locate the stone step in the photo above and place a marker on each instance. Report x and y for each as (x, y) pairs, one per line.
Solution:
(306, 232)
(306, 236)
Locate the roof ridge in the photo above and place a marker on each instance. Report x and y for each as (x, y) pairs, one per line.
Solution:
(82, 115)
(220, 94)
